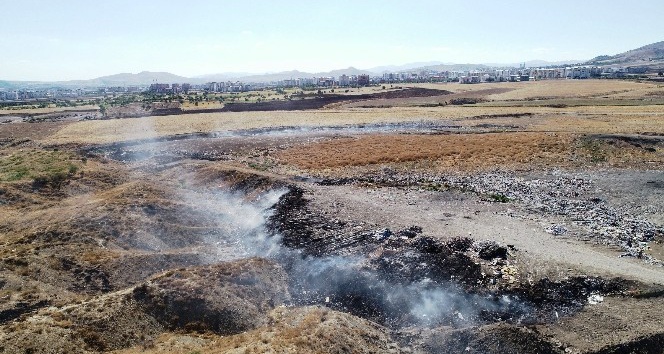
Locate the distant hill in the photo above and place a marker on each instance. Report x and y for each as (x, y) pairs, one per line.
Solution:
(143, 78)
(140, 79)
(294, 74)
(535, 63)
(544, 63)
(6, 85)
(453, 67)
(348, 71)
(220, 77)
(404, 67)
(284, 75)
(649, 55)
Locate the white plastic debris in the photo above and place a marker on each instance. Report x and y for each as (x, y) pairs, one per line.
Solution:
(595, 299)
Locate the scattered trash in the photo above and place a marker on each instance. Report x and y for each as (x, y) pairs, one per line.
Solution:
(556, 230)
(595, 299)
(381, 235)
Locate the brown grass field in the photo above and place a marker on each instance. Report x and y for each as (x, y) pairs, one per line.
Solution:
(622, 119)
(468, 152)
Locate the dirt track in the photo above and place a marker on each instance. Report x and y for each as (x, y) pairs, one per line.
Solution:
(452, 214)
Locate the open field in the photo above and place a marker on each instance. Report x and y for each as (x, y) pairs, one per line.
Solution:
(522, 223)
(609, 119)
(550, 89)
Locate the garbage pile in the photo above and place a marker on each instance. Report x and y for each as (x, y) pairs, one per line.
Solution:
(568, 196)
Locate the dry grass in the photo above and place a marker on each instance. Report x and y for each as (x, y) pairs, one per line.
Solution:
(648, 91)
(567, 88)
(623, 118)
(548, 88)
(46, 110)
(292, 330)
(150, 127)
(617, 122)
(468, 151)
(201, 105)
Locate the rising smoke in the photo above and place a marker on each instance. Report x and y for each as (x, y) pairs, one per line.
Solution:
(343, 283)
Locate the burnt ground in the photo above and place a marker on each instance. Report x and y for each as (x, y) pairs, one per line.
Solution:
(320, 101)
(209, 243)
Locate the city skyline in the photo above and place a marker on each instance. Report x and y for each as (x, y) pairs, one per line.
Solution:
(74, 40)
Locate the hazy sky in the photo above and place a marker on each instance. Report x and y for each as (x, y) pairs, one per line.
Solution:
(77, 39)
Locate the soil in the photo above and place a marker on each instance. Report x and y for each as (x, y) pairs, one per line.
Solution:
(338, 239)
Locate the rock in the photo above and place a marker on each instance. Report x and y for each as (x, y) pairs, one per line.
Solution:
(410, 232)
(489, 250)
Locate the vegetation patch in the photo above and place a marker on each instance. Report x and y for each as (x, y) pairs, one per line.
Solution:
(40, 166)
(500, 198)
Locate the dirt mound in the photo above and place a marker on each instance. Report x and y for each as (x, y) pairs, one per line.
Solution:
(136, 110)
(226, 298)
(310, 330)
(499, 338)
(236, 180)
(108, 322)
(75, 244)
(651, 344)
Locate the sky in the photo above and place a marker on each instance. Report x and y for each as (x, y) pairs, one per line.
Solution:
(45, 40)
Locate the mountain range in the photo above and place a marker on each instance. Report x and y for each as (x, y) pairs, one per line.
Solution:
(651, 55)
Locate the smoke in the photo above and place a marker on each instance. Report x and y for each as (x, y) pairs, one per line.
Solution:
(344, 283)
(240, 225)
(350, 284)
(347, 284)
